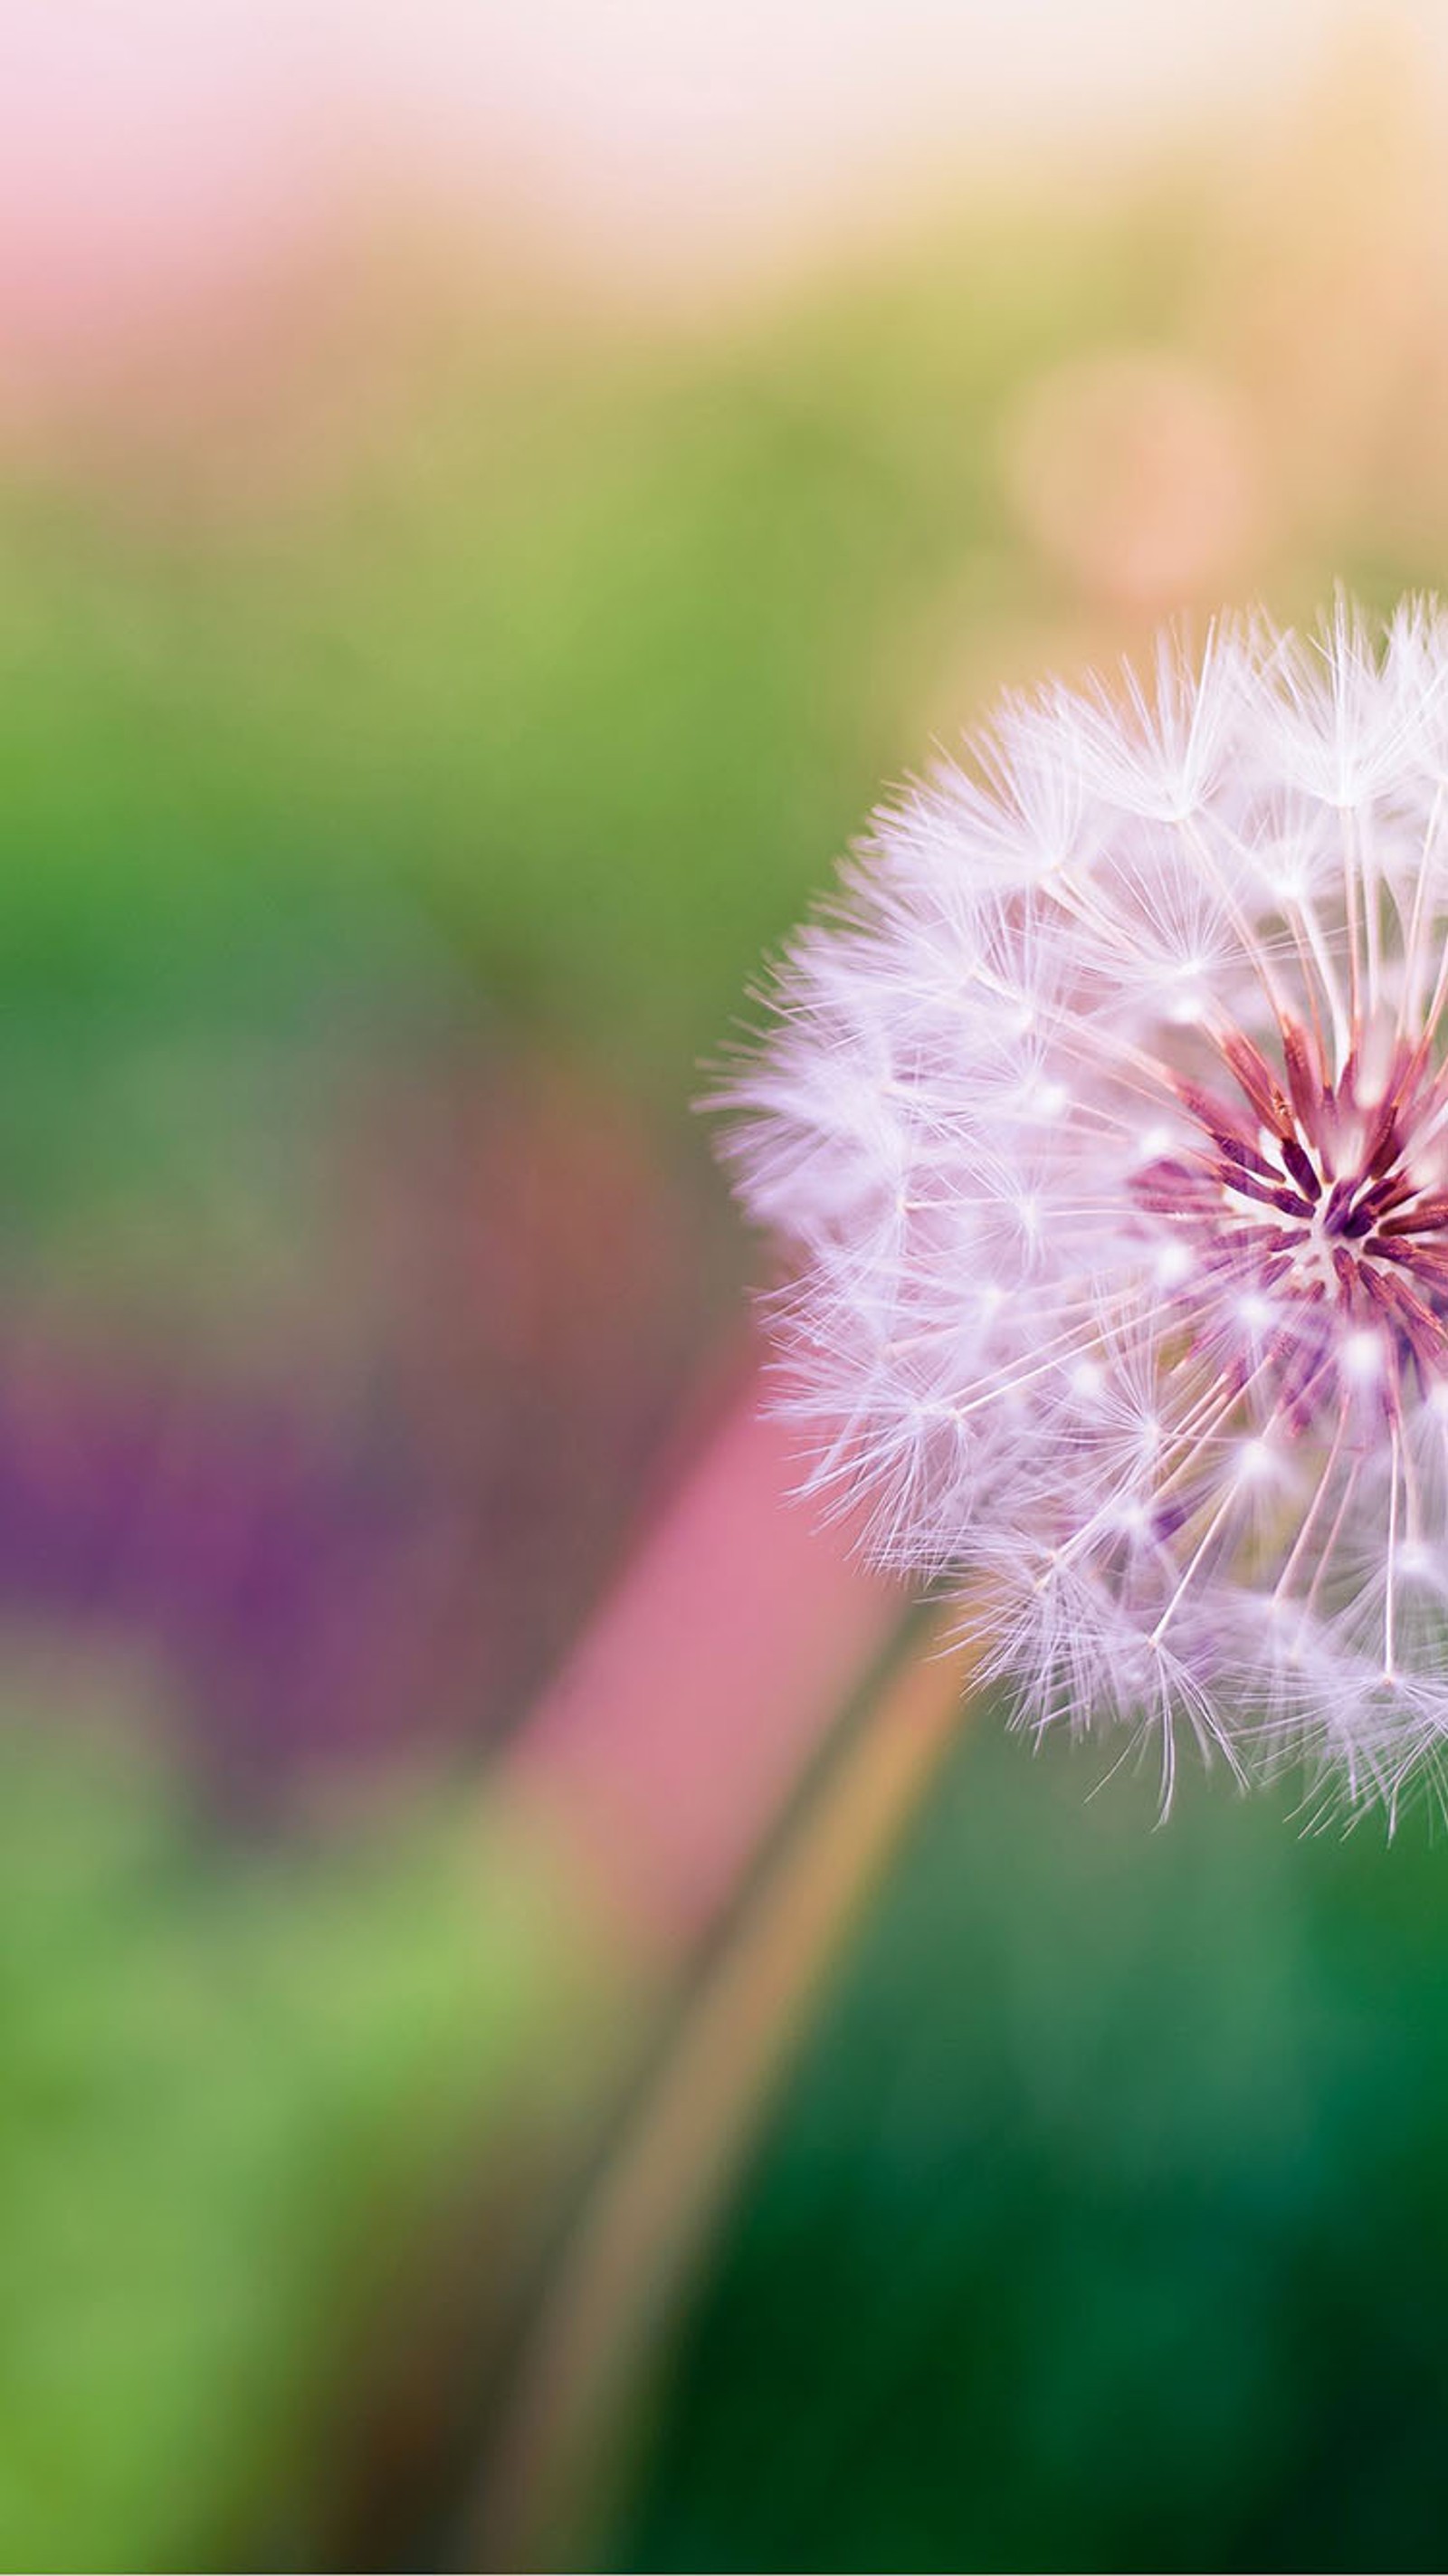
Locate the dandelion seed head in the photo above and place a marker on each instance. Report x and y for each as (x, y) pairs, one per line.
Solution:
(1106, 1121)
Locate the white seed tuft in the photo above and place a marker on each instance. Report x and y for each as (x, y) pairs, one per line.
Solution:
(1106, 1119)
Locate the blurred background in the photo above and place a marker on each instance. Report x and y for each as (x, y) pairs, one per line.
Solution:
(500, 2061)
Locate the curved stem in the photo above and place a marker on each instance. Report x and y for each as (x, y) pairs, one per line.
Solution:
(632, 2251)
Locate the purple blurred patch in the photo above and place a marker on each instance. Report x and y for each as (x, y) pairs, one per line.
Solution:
(341, 1584)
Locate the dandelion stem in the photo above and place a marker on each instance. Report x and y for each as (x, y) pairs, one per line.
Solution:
(624, 2268)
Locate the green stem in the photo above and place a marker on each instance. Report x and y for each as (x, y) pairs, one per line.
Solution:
(634, 2247)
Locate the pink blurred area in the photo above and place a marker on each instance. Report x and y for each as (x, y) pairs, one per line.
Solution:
(151, 158)
(158, 159)
(677, 1730)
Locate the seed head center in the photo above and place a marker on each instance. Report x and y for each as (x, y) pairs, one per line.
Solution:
(1317, 1190)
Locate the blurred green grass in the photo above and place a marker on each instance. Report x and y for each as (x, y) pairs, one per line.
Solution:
(235, 2083)
(588, 668)
(1101, 2224)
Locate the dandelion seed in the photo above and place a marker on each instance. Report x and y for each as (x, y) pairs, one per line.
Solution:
(1106, 1119)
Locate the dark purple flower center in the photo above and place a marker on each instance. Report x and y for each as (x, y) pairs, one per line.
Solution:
(1322, 1194)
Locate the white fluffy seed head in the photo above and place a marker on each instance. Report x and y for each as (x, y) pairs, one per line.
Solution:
(1106, 1121)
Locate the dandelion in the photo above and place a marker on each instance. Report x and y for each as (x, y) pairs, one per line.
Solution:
(1105, 1117)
